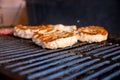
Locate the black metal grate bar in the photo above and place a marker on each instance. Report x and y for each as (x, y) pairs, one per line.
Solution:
(111, 76)
(83, 61)
(102, 49)
(116, 57)
(17, 53)
(34, 60)
(112, 54)
(52, 64)
(14, 49)
(107, 51)
(101, 71)
(80, 72)
(51, 70)
(70, 70)
(39, 63)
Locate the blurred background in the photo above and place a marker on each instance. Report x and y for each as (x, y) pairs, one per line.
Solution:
(104, 13)
(13, 12)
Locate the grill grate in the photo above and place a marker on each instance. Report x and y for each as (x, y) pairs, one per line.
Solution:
(21, 59)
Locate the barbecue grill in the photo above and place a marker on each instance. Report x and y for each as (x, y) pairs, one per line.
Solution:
(21, 59)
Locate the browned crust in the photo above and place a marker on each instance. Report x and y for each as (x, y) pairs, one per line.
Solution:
(40, 27)
(53, 36)
(93, 30)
